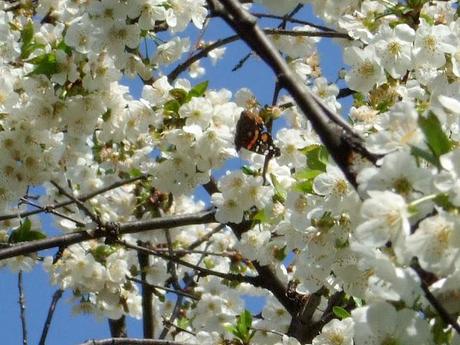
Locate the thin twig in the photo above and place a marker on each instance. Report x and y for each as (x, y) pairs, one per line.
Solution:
(292, 20)
(79, 203)
(50, 210)
(56, 296)
(205, 51)
(82, 198)
(22, 308)
(203, 271)
(206, 237)
(175, 283)
(159, 287)
(24, 248)
(443, 313)
(183, 252)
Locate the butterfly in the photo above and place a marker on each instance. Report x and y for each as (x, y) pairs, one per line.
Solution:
(252, 134)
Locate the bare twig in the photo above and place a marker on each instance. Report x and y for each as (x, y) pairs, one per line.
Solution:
(148, 325)
(79, 203)
(292, 20)
(203, 271)
(159, 287)
(202, 217)
(205, 51)
(22, 308)
(443, 313)
(118, 327)
(175, 283)
(69, 202)
(206, 237)
(56, 296)
(50, 210)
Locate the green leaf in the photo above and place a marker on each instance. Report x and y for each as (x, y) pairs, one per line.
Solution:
(171, 107)
(198, 90)
(24, 233)
(280, 253)
(442, 200)
(436, 139)
(441, 333)
(27, 35)
(101, 252)
(304, 186)
(231, 329)
(248, 171)
(317, 157)
(280, 192)
(62, 46)
(307, 174)
(243, 327)
(260, 217)
(135, 172)
(45, 64)
(358, 301)
(180, 95)
(340, 312)
(425, 155)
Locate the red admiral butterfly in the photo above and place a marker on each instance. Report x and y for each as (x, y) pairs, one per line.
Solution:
(252, 134)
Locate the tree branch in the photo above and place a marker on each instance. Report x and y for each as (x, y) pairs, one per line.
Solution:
(292, 20)
(49, 317)
(159, 287)
(443, 313)
(22, 308)
(82, 198)
(203, 271)
(202, 217)
(205, 51)
(147, 298)
(118, 327)
(79, 203)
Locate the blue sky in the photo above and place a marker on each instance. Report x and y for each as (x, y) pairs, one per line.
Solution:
(68, 329)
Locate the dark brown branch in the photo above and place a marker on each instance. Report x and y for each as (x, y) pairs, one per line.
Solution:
(69, 202)
(292, 20)
(22, 308)
(134, 341)
(202, 217)
(148, 322)
(118, 327)
(329, 34)
(49, 317)
(443, 313)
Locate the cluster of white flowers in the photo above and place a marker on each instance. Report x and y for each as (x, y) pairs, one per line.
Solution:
(66, 118)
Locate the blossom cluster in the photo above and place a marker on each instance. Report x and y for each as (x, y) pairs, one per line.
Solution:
(67, 120)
